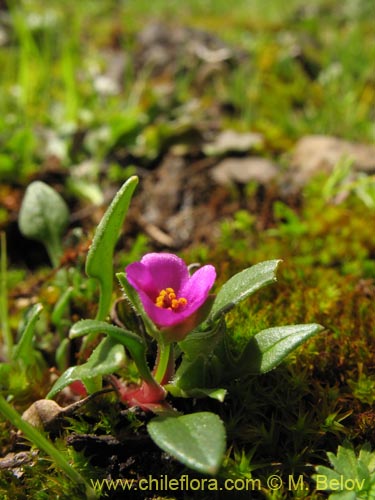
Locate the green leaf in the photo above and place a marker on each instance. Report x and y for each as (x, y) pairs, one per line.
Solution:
(354, 473)
(62, 354)
(268, 348)
(367, 457)
(200, 368)
(329, 474)
(242, 285)
(196, 440)
(84, 188)
(344, 495)
(61, 306)
(107, 358)
(99, 263)
(192, 373)
(202, 342)
(130, 340)
(44, 216)
(24, 350)
(214, 393)
(133, 297)
(345, 463)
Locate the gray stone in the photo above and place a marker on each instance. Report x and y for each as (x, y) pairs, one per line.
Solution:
(244, 170)
(315, 154)
(230, 140)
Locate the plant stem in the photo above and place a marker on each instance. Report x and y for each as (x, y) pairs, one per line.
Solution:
(54, 250)
(164, 353)
(105, 298)
(102, 312)
(43, 444)
(94, 384)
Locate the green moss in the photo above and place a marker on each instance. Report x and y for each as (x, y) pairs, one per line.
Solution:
(322, 392)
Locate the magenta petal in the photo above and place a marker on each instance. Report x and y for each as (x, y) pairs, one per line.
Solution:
(167, 270)
(158, 271)
(199, 285)
(141, 279)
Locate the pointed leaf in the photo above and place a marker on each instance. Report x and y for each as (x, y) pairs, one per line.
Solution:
(192, 373)
(330, 474)
(367, 456)
(24, 349)
(269, 347)
(214, 393)
(196, 440)
(99, 263)
(107, 358)
(202, 342)
(242, 285)
(130, 340)
(136, 303)
(345, 462)
(347, 465)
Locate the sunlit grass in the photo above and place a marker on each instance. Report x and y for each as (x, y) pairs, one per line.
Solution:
(56, 52)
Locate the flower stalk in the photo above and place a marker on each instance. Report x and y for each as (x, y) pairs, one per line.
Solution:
(164, 363)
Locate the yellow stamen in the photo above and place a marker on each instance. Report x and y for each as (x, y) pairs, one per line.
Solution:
(167, 299)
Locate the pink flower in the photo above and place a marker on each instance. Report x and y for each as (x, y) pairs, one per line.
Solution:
(175, 301)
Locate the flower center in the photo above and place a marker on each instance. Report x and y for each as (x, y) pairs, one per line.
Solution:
(167, 299)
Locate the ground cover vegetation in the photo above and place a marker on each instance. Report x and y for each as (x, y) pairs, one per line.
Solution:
(96, 92)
